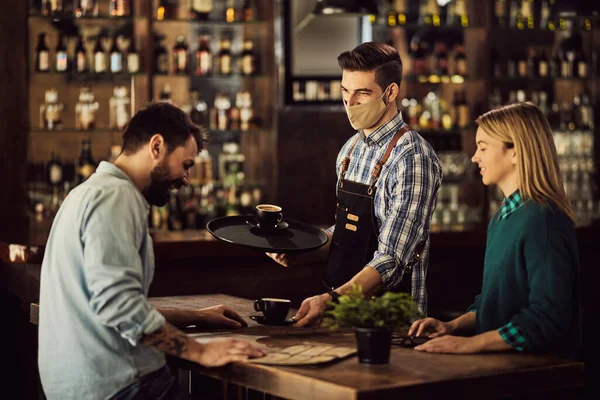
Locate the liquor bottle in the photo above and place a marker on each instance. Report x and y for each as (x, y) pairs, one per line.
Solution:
(61, 57)
(461, 13)
(545, 14)
(555, 64)
(418, 55)
(460, 60)
(42, 54)
(203, 57)
(429, 13)
(532, 64)
(99, 57)
(391, 14)
(440, 59)
(248, 58)
(119, 108)
(568, 65)
(201, 9)
(401, 8)
(80, 60)
(161, 58)
(463, 110)
(85, 164)
(582, 66)
(180, 56)
(133, 58)
(116, 58)
(500, 13)
(543, 66)
(199, 111)
(513, 15)
(85, 110)
(244, 103)
(119, 8)
(54, 170)
(86, 8)
(496, 66)
(512, 66)
(224, 59)
(165, 94)
(50, 111)
(167, 9)
(52, 7)
(230, 14)
(522, 66)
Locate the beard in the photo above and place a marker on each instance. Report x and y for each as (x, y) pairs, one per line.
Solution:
(160, 185)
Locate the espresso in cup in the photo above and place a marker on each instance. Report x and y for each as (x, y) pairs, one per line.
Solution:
(269, 215)
(274, 310)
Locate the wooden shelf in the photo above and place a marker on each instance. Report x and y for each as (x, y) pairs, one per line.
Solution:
(100, 18)
(219, 23)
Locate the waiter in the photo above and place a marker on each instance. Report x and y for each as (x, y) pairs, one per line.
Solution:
(388, 180)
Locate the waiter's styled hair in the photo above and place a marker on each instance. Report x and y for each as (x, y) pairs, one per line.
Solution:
(163, 118)
(374, 56)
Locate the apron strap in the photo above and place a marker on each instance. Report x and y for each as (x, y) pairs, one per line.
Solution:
(346, 160)
(379, 165)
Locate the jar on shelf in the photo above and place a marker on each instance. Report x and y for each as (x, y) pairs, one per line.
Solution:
(50, 111)
(85, 110)
(231, 164)
(119, 108)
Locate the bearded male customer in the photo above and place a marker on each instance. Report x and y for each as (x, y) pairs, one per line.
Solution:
(99, 337)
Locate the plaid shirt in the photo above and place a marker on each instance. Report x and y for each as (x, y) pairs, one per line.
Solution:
(404, 201)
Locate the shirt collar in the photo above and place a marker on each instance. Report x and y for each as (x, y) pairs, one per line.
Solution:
(384, 132)
(510, 204)
(112, 169)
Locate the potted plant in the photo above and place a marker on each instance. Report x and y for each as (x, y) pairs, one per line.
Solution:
(373, 319)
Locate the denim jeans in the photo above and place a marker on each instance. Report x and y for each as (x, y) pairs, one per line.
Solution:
(157, 385)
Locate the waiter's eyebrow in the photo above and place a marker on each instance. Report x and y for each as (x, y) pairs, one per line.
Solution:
(359, 89)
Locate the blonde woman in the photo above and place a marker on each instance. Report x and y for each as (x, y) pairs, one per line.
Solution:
(529, 299)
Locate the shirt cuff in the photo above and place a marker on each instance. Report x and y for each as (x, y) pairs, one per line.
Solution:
(388, 269)
(153, 321)
(513, 336)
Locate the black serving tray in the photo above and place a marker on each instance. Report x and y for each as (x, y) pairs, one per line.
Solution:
(297, 237)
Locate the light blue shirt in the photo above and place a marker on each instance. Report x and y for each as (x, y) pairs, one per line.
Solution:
(96, 273)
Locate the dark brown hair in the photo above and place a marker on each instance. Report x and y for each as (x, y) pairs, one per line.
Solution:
(374, 56)
(163, 118)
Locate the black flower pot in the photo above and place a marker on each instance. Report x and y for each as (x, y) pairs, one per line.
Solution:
(373, 345)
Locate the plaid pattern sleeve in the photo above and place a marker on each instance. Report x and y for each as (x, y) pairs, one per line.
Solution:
(511, 334)
(417, 179)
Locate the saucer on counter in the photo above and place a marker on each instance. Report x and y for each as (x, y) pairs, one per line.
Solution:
(253, 222)
(263, 321)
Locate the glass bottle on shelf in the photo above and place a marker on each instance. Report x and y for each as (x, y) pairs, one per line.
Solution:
(54, 170)
(463, 110)
(248, 58)
(401, 9)
(42, 54)
(500, 13)
(133, 58)
(99, 57)
(244, 103)
(522, 66)
(513, 15)
(460, 60)
(532, 63)
(86, 8)
(199, 111)
(582, 66)
(180, 56)
(555, 64)
(231, 164)
(52, 7)
(113, 153)
(543, 68)
(161, 58)
(429, 13)
(50, 111)
(545, 14)
(222, 106)
(248, 13)
(167, 9)
(119, 108)
(203, 57)
(201, 9)
(80, 60)
(165, 94)
(230, 12)
(119, 8)
(116, 58)
(224, 58)
(85, 110)
(61, 57)
(85, 164)
(390, 15)
(461, 13)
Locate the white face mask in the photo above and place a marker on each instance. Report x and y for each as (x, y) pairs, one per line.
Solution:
(364, 116)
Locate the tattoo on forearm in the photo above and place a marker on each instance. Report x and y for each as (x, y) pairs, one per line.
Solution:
(168, 339)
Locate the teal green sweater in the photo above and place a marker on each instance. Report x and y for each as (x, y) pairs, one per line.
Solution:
(530, 290)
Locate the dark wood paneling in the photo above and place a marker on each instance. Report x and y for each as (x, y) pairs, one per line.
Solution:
(13, 120)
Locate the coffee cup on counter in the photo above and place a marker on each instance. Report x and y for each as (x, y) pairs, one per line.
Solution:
(269, 215)
(274, 310)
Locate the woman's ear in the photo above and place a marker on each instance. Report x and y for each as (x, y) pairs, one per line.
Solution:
(513, 156)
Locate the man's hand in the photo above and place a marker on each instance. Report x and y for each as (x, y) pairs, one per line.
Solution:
(311, 311)
(220, 352)
(212, 317)
(431, 327)
(452, 344)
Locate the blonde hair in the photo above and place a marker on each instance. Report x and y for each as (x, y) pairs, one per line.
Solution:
(524, 127)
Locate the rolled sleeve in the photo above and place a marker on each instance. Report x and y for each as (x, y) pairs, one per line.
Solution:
(112, 233)
(407, 221)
